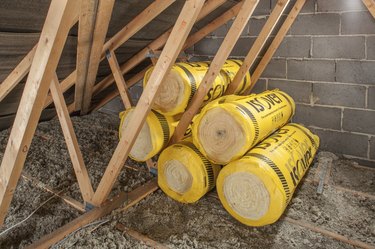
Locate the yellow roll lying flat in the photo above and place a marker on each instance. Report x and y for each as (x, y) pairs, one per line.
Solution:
(153, 137)
(181, 83)
(184, 174)
(257, 188)
(229, 126)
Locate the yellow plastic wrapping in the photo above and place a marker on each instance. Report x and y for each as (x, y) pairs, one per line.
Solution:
(257, 188)
(184, 174)
(231, 125)
(153, 137)
(185, 78)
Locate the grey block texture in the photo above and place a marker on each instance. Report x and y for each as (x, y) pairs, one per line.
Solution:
(372, 148)
(370, 47)
(298, 90)
(371, 98)
(317, 24)
(360, 72)
(298, 47)
(324, 117)
(340, 5)
(359, 121)
(357, 23)
(339, 95)
(346, 47)
(343, 142)
(311, 70)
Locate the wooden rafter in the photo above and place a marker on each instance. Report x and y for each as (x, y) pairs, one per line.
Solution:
(103, 17)
(258, 44)
(71, 141)
(167, 58)
(276, 42)
(217, 63)
(55, 31)
(192, 39)
(86, 27)
(370, 4)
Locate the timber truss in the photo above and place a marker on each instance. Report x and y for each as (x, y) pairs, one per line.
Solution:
(43, 87)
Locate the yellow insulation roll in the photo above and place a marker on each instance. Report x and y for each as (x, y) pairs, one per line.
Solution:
(181, 83)
(153, 137)
(229, 126)
(184, 173)
(257, 188)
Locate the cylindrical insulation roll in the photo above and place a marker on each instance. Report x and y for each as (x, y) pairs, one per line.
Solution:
(152, 138)
(184, 174)
(231, 125)
(181, 83)
(257, 188)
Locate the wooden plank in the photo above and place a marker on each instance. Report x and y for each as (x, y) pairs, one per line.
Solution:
(140, 237)
(103, 17)
(86, 27)
(158, 43)
(276, 43)
(131, 198)
(71, 141)
(329, 234)
(370, 4)
(217, 63)
(69, 200)
(258, 45)
(17, 74)
(167, 58)
(119, 79)
(43, 68)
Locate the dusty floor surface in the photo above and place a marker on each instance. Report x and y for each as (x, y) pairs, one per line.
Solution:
(202, 225)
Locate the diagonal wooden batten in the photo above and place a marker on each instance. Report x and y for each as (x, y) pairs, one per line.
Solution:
(193, 39)
(276, 43)
(66, 84)
(18, 73)
(209, 6)
(71, 141)
(370, 4)
(103, 17)
(53, 37)
(86, 27)
(217, 63)
(167, 58)
(119, 79)
(130, 199)
(258, 45)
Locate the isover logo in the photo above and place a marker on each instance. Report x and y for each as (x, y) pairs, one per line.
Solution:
(299, 161)
(266, 102)
(275, 137)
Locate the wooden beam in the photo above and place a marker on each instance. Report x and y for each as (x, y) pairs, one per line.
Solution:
(66, 84)
(86, 27)
(70, 201)
(194, 38)
(276, 43)
(209, 6)
(167, 58)
(370, 4)
(258, 45)
(18, 73)
(71, 141)
(217, 63)
(55, 31)
(103, 17)
(130, 198)
(140, 237)
(120, 82)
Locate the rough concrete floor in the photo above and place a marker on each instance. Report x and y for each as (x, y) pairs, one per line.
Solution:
(202, 225)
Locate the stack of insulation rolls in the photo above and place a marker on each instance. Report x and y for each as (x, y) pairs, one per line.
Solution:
(244, 145)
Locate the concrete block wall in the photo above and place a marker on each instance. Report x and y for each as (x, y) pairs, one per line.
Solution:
(327, 64)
